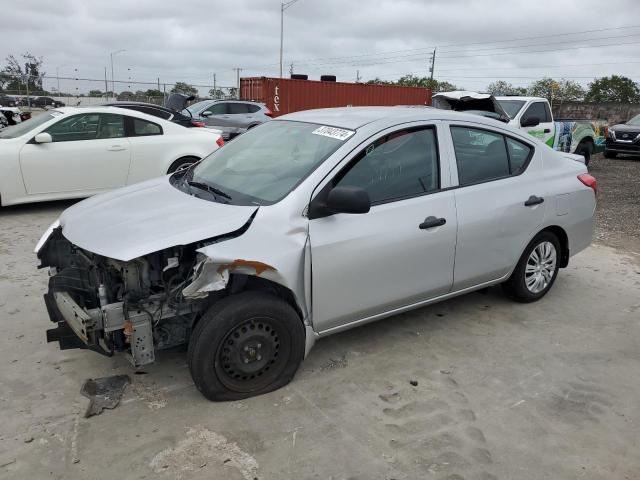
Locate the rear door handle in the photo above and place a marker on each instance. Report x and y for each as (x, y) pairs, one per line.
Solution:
(431, 222)
(115, 148)
(547, 130)
(533, 200)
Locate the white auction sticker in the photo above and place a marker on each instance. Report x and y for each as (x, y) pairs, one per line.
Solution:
(333, 132)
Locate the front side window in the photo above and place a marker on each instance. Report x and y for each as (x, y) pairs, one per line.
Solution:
(399, 165)
(482, 156)
(262, 166)
(88, 126)
(217, 109)
(537, 110)
(143, 128)
(253, 108)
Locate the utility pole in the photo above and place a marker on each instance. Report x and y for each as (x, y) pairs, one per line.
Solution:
(158, 83)
(291, 69)
(283, 6)
(113, 87)
(106, 83)
(433, 62)
(238, 70)
(357, 76)
(215, 93)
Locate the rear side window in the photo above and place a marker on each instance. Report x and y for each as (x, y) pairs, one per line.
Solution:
(143, 128)
(538, 110)
(482, 156)
(238, 108)
(400, 165)
(518, 155)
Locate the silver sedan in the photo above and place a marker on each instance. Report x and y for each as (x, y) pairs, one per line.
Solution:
(311, 224)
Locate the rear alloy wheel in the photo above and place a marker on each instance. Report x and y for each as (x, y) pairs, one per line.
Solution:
(182, 164)
(537, 269)
(245, 345)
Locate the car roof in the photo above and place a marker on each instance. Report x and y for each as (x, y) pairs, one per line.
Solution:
(111, 109)
(519, 97)
(353, 118)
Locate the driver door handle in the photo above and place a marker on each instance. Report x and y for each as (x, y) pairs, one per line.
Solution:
(115, 148)
(432, 222)
(533, 200)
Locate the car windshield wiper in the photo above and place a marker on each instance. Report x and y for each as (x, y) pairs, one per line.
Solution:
(208, 188)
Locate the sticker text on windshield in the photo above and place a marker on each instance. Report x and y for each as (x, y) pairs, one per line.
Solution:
(333, 132)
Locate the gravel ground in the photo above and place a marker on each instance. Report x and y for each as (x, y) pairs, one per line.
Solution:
(618, 212)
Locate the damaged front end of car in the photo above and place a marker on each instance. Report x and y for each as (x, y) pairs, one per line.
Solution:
(139, 306)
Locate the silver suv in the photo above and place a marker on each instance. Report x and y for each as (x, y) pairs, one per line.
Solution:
(233, 117)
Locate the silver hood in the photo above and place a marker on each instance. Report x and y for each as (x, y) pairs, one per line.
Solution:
(147, 217)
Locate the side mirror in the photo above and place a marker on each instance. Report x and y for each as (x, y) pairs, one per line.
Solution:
(43, 138)
(206, 113)
(530, 122)
(348, 200)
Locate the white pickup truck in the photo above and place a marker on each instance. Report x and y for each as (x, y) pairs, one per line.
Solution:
(532, 114)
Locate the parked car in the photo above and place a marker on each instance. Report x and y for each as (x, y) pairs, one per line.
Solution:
(45, 102)
(77, 152)
(9, 116)
(623, 138)
(534, 116)
(172, 112)
(307, 225)
(233, 117)
(6, 101)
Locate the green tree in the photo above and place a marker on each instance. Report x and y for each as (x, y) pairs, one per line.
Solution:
(216, 93)
(126, 95)
(500, 87)
(22, 75)
(182, 87)
(95, 93)
(153, 92)
(613, 89)
(556, 90)
(414, 81)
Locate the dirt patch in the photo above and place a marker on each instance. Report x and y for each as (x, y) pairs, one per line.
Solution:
(618, 211)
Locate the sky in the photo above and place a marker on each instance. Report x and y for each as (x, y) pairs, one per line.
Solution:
(477, 41)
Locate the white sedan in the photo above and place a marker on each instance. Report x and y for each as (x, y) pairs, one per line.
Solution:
(76, 152)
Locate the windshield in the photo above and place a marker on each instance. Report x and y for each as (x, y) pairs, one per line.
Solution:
(635, 121)
(196, 107)
(263, 165)
(15, 131)
(512, 107)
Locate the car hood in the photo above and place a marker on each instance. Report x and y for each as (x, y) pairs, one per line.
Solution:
(464, 101)
(147, 217)
(623, 127)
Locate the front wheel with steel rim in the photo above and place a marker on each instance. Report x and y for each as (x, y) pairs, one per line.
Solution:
(537, 269)
(245, 345)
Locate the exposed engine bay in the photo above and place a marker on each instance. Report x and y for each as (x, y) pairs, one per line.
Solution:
(114, 306)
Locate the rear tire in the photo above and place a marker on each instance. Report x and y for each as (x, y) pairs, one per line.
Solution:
(585, 148)
(536, 270)
(182, 163)
(245, 345)
(608, 154)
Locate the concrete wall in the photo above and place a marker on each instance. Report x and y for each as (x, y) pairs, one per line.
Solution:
(611, 112)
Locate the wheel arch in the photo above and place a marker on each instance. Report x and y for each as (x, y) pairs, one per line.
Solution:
(175, 162)
(563, 238)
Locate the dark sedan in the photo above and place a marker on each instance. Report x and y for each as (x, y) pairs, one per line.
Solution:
(623, 138)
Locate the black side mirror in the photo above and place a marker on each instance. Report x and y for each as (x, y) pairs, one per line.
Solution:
(348, 200)
(529, 122)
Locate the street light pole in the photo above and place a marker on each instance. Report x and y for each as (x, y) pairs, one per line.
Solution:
(283, 7)
(113, 86)
(58, 76)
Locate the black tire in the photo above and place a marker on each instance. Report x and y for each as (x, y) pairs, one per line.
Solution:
(245, 345)
(609, 154)
(181, 163)
(585, 148)
(516, 287)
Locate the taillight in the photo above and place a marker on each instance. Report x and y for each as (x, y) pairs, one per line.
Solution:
(196, 123)
(589, 181)
(268, 112)
(220, 141)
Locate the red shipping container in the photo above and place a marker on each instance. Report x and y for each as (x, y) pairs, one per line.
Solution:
(284, 95)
